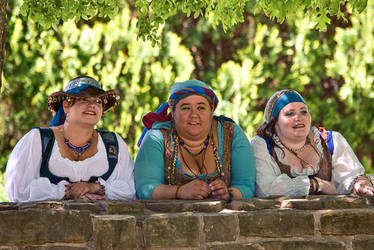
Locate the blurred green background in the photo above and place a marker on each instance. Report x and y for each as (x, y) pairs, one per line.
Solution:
(333, 70)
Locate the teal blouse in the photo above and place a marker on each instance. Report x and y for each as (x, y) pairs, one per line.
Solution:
(149, 164)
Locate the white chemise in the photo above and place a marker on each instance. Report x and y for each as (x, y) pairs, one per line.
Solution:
(270, 181)
(23, 182)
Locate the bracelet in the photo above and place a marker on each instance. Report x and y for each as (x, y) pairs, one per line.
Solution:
(176, 191)
(67, 193)
(319, 184)
(230, 196)
(314, 185)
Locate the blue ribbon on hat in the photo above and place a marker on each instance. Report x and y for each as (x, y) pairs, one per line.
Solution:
(74, 87)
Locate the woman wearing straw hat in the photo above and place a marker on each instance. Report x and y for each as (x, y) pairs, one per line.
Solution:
(71, 159)
(294, 158)
(191, 154)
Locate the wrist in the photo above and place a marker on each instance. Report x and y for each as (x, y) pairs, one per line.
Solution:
(177, 191)
(231, 196)
(100, 189)
(365, 179)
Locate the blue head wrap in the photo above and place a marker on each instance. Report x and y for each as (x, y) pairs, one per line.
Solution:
(280, 99)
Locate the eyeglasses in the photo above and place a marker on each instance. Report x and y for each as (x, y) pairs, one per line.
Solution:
(89, 100)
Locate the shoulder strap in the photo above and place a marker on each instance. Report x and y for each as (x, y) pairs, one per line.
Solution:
(111, 146)
(326, 135)
(48, 140)
(268, 145)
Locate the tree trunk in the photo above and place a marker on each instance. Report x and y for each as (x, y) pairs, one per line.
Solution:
(3, 4)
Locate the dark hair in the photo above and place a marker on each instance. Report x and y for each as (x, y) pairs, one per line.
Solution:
(267, 129)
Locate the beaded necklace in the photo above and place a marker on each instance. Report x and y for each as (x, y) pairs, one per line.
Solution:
(296, 151)
(206, 143)
(78, 150)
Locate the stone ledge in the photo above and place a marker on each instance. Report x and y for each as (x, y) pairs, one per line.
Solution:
(315, 222)
(177, 206)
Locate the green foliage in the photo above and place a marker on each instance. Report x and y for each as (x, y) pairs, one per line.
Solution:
(332, 69)
(153, 13)
(50, 13)
(229, 13)
(3, 197)
(40, 62)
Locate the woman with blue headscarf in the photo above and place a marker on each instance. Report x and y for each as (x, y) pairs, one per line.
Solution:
(190, 154)
(296, 159)
(71, 159)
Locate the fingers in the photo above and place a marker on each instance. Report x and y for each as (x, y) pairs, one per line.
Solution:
(218, 188)
(366, 190)
(91, 196)
(76, 190)
(196, 190)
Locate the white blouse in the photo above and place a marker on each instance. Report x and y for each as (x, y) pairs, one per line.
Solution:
(270, 181)
(23, 182)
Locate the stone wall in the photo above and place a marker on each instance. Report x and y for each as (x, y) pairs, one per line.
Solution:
(317, 222)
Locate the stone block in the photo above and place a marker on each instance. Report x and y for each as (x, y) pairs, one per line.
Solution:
(274, 223)
(4, 206)
(254, 204)
(240, 246)
(115, 232)
(347, 222)
(124, 207)
(56, 205)
(171, 230)
(221, 227)
(363, 244)
(95, 207)
(54, 247)
(40, 226)
(305, 245)
(175, 206)
(323, 202)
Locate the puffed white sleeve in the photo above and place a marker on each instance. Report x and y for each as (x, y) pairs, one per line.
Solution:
(270, 180)
(345, 165)
(22, 177)
(120, 184)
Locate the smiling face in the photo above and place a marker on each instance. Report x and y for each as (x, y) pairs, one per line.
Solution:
(293, 123)
(85, 111)
(193, 117)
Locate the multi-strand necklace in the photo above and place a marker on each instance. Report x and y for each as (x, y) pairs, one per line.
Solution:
(205, 145)
(193, 155)
(176, 144)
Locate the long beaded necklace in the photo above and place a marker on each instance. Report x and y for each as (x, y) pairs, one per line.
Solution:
(78, 150)
(172, 164)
